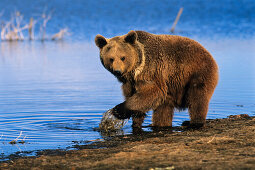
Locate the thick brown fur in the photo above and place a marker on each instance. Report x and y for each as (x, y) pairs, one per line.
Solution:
(160, 73)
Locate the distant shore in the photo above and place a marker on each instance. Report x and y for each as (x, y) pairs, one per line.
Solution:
(223, 144)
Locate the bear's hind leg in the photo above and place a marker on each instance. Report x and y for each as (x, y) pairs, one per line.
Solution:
(163, 116)
(198, 103)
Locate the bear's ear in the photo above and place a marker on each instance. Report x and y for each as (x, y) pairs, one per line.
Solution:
(100, 41)
(131, 37)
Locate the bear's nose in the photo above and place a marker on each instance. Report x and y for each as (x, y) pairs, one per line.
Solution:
(117, 72)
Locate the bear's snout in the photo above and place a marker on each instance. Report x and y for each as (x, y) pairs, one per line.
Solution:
(117, 73)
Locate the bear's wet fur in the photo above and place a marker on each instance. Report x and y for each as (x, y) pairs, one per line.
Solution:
(160, 73)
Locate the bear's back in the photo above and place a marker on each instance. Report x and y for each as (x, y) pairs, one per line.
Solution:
(173, 51)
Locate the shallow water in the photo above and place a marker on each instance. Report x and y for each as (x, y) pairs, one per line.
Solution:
(55, 92)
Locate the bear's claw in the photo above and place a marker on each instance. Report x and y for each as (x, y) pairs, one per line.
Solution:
(121, 112)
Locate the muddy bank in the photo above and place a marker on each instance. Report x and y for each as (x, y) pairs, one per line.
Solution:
(223, 144)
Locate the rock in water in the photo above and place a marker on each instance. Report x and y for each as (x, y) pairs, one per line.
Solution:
(110, 122)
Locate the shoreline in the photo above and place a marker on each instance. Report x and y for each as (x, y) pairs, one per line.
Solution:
(227, 143)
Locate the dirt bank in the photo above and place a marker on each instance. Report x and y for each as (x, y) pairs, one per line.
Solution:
(223, 144)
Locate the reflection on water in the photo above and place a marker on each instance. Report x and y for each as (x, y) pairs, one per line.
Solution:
(55, 93)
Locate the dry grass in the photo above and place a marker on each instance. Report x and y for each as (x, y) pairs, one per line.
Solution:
(15, 141)
(16, 28)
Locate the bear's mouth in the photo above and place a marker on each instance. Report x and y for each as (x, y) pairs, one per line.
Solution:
(117, 74)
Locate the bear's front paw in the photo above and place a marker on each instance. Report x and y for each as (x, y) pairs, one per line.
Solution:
(121, 112)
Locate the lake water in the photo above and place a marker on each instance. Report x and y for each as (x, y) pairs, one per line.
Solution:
(55, 92)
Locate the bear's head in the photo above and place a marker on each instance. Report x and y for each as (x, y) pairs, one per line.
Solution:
(120, 55)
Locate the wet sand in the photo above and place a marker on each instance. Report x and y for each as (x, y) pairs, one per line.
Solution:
(223, 144)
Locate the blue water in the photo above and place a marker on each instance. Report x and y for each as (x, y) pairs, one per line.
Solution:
(55, 92)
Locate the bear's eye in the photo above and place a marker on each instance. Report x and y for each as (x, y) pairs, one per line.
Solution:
(123, 58)
(111, 60)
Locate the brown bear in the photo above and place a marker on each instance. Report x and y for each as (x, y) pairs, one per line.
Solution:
(160, 73)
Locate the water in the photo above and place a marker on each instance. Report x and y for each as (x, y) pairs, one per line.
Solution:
(55, 92)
